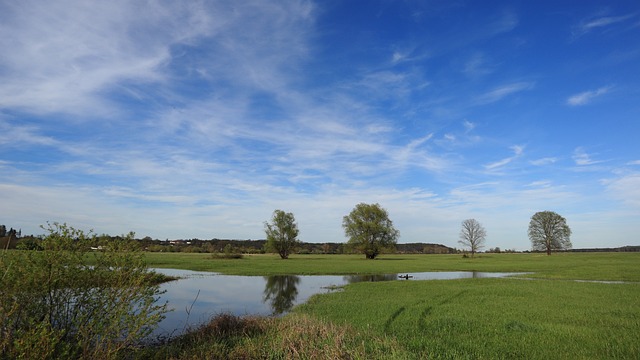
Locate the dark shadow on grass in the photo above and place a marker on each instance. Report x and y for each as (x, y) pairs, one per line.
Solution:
(422, 320)
(389, 259)
(393, 317)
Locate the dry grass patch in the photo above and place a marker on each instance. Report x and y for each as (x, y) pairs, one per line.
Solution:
(293, 337)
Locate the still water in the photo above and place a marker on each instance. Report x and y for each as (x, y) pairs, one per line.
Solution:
(198, 296)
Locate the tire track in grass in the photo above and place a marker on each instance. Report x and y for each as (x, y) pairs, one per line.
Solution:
(426, 312)
(392, 318)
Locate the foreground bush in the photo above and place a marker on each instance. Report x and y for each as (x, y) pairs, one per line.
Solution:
(292, 337)
(54, 305)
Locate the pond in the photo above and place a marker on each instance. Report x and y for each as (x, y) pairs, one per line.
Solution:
(198, 296)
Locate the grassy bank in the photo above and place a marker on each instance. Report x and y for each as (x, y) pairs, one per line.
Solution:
(585, 266)
(293, 337)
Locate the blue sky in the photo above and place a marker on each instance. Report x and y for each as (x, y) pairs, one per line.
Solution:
(189, 119)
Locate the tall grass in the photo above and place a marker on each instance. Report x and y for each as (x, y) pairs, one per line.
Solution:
(293, 337)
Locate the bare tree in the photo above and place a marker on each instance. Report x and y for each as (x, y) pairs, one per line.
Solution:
(472, 235)
(549, 231)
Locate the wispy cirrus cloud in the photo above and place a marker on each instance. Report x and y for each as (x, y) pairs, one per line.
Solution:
(544, 161)
(59, 57)
(582, 158)
(468, 126)
(502, 91)
(595, 23)
(517, 152)
(626, 188)
(68, 57)
(478, 65)
(586, 97)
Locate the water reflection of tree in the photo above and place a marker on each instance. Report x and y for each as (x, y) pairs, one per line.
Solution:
(280, 291)
(371, 278)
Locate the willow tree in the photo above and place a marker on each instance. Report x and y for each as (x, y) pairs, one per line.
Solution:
(472, 235)
(282, 233)
(369, 229)
(549, 231)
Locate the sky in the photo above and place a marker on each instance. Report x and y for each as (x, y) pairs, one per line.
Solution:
(198, 119)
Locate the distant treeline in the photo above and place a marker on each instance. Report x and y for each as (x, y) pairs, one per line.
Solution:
(257, 246)
(221, 245)
(618, 249)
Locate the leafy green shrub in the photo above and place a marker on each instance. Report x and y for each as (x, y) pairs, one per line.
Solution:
(53, 304)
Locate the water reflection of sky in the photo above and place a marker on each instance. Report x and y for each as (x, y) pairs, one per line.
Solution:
(198, 296)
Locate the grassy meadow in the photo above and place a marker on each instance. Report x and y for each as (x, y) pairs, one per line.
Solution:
(492, 318)
(580, 266)
(546, 316)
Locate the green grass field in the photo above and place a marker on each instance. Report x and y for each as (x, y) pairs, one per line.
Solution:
(550, 317)
(493, 318)
(584, 266)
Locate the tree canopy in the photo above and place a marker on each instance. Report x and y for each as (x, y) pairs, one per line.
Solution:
(282, 233)
(369, 229)
(472, 235)
(549, 231)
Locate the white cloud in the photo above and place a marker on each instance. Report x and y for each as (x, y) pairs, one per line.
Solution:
(544, 161)
(389, 84)
(581, 157)
(468, 126)
(503, 91)
(540, 184)
(600, 22)
(20, 135)
(58, 56)
(66, 57)
(517, 152)
(407, 53)
(626, 188)
(586, 97)
(477, 66)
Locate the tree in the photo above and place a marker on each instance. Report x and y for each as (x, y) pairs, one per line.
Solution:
(549, 231)
(369, 229)
(472, 235)
(282, 233)
(67, 302)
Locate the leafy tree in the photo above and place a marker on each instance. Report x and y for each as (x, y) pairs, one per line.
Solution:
(282, 233)
(29, 243)
(369, 229)
(472, 235)
(549, 231)
(66, 302)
